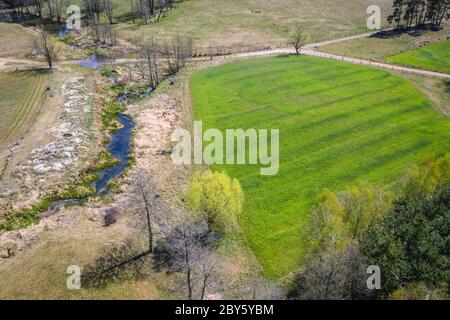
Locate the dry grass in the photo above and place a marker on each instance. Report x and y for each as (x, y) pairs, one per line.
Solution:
(16, 41)
(39, 271)
(250, 24)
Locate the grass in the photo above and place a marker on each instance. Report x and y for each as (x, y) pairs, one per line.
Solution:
(379, 48)
(21, 95)
(16, 41)
(246, 24)
(435, 56)
(340, 125)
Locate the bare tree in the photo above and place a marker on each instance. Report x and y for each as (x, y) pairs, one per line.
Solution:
(149, 59)
(146, 191)
(46, 47)
(108, 9)
(133, 17)
(333, 275)
(298, 36)
(207, 266)
(92, 9)
(189, 246)
(177, 52)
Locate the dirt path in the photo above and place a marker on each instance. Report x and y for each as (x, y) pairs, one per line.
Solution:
(309, 50)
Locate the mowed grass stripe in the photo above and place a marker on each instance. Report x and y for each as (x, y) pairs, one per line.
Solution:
(20, 100)
(30, 108)
(340, 125)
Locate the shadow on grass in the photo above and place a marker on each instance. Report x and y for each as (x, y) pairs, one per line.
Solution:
(413, 31)
(30, 20)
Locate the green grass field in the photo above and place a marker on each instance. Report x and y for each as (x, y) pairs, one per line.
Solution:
(340, 125)
(435, 56)
(381, 48)
(21, 96)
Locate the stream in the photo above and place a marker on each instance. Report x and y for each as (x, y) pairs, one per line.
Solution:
(119, 147)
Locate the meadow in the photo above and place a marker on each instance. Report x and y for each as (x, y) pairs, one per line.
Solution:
(340, 125)
(435, 57)
(16, 41)
(248, 24)
(21, 95)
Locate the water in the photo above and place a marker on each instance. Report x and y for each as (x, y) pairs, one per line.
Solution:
(119, 147)
(95, 61)
(64, 32)
(148, 91)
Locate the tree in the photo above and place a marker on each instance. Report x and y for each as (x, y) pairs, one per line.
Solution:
(327, 229)
(298, 36)
(428, 179)
(188, 245)
(216, 198)
(333, 275)
(176, 52)
(108, 9)
(149, 61)
(46, 47)
(419, 12)
(410, 243)
(146, 191)
(418, 291)
(362, 207)
(92, 9)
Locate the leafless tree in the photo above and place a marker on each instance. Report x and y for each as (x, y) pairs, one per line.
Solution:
(92, 9)
(133, 17)
(334, 275)
(146, 191)
(207, 267)
(46, 47)
(144, 11)
(102, 33)
(177, 52)
(260, 288)
(149, 59)
(38, 8)
(189, 246)
(108, 9)
(298, 36)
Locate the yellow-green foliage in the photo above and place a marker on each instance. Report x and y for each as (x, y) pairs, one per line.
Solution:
(426, 179)
(336, 219)
(216, 198)
(416, 291)
(327, 229)
(363, 206)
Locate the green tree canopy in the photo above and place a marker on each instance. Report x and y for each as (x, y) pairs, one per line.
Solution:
(411, 243)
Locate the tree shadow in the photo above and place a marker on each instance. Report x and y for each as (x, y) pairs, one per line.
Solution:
(397, 32)
(115, 263)
(30, 20)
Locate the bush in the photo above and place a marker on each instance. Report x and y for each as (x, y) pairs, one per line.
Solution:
(216, 198)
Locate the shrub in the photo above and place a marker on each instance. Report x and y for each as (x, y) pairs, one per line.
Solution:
(216, 198)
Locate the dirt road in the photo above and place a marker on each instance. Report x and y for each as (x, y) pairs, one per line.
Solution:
(310, 50)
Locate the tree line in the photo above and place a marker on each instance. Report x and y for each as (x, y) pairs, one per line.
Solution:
(94, 10)
(408, 13)
(405, 232)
